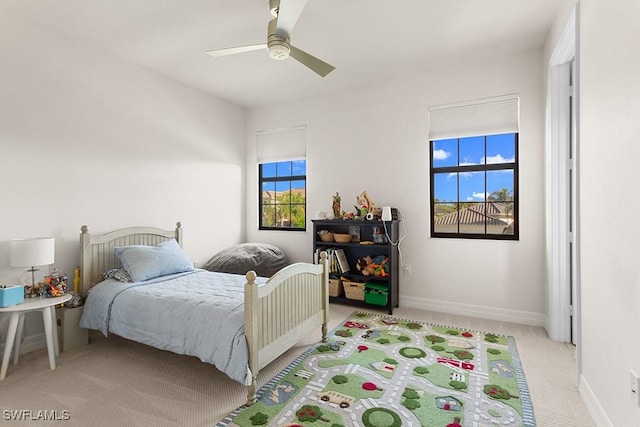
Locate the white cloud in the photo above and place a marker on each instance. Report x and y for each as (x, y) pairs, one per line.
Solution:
(498, 159)
(440, 154)
(480, 196)
(477, 196)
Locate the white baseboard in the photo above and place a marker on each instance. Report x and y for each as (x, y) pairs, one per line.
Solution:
(30, 343)
(593, 405)
(479, 311)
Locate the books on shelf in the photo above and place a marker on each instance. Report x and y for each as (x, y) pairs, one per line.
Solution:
(343, 263)
(338, 262)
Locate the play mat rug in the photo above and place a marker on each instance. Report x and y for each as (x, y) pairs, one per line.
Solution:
(381, 371)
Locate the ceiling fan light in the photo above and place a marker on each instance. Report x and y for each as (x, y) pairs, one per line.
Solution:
(279, 50)
(274, 5)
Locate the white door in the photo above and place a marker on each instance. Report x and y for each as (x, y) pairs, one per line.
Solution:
(562, 187)
(572, 204)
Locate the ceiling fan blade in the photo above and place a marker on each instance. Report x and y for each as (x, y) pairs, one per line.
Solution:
(233, 50)
(288, 14)
(310, 61)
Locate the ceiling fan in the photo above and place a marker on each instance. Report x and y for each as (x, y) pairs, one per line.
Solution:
(286, 14)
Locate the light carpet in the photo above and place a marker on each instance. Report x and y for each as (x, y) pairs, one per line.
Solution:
(115, 382)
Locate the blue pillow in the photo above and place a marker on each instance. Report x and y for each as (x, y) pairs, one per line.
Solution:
(147, 262)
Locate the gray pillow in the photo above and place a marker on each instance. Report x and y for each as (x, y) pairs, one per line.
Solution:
(263, 258)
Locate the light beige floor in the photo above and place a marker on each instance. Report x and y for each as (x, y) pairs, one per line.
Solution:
(115, 382)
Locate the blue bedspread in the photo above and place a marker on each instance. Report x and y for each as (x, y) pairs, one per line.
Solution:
(198, 313)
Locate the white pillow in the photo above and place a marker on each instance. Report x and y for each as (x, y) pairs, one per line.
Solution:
(147, 262)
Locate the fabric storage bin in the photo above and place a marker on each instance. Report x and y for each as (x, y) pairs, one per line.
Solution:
(376, 293)
(354, 290)
(335, 288)
(11, 295)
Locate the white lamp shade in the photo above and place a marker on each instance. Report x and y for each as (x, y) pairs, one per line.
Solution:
(33, 251)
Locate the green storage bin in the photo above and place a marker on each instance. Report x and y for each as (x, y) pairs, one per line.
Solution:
(376, 293)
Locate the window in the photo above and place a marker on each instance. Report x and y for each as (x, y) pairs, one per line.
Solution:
(282, 178)
(474, 187)
(474, 168)
(283, 195)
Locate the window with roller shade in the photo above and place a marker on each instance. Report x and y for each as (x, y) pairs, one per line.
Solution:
(473, 150)
(282, 179)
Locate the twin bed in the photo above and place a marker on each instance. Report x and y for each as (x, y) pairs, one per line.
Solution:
(143, 288)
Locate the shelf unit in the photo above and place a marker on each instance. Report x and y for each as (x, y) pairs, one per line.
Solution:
(356, 250)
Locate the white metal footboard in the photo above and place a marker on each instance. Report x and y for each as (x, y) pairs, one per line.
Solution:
(279, 313)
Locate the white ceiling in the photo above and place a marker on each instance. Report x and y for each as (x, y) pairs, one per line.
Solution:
(366, 40)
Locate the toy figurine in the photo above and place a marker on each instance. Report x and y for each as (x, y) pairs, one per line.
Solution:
(364, 201)
(337, 212)
(76, 280)
(367, 207)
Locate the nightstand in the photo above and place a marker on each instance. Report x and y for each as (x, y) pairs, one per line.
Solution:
(16, 325)
(70, 334)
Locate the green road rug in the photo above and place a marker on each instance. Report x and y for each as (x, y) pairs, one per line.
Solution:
(382, 371)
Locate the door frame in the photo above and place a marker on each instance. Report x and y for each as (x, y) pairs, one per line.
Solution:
(562, 302)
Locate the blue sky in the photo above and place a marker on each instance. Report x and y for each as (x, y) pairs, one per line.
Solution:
(284, 169)
(471, 151)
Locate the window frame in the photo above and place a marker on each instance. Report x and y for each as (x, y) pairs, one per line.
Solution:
(476, 168)
(289, 178)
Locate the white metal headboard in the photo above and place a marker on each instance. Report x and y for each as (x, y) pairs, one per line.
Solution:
(97, 254)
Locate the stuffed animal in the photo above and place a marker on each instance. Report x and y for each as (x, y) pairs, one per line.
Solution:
(377, 266)
(363, 264)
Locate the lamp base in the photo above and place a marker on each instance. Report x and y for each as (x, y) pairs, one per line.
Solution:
(33, 274)
(34, 291)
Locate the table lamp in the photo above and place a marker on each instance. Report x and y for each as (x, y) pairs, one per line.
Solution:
(32, 252)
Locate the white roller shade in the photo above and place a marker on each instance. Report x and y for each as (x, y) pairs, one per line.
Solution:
(486, 116)
(281, 144)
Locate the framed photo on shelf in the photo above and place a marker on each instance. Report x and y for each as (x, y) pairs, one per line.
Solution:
(354, 230)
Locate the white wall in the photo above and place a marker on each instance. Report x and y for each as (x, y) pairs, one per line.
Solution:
(609, 156)
(88, 139)
(375, 138)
